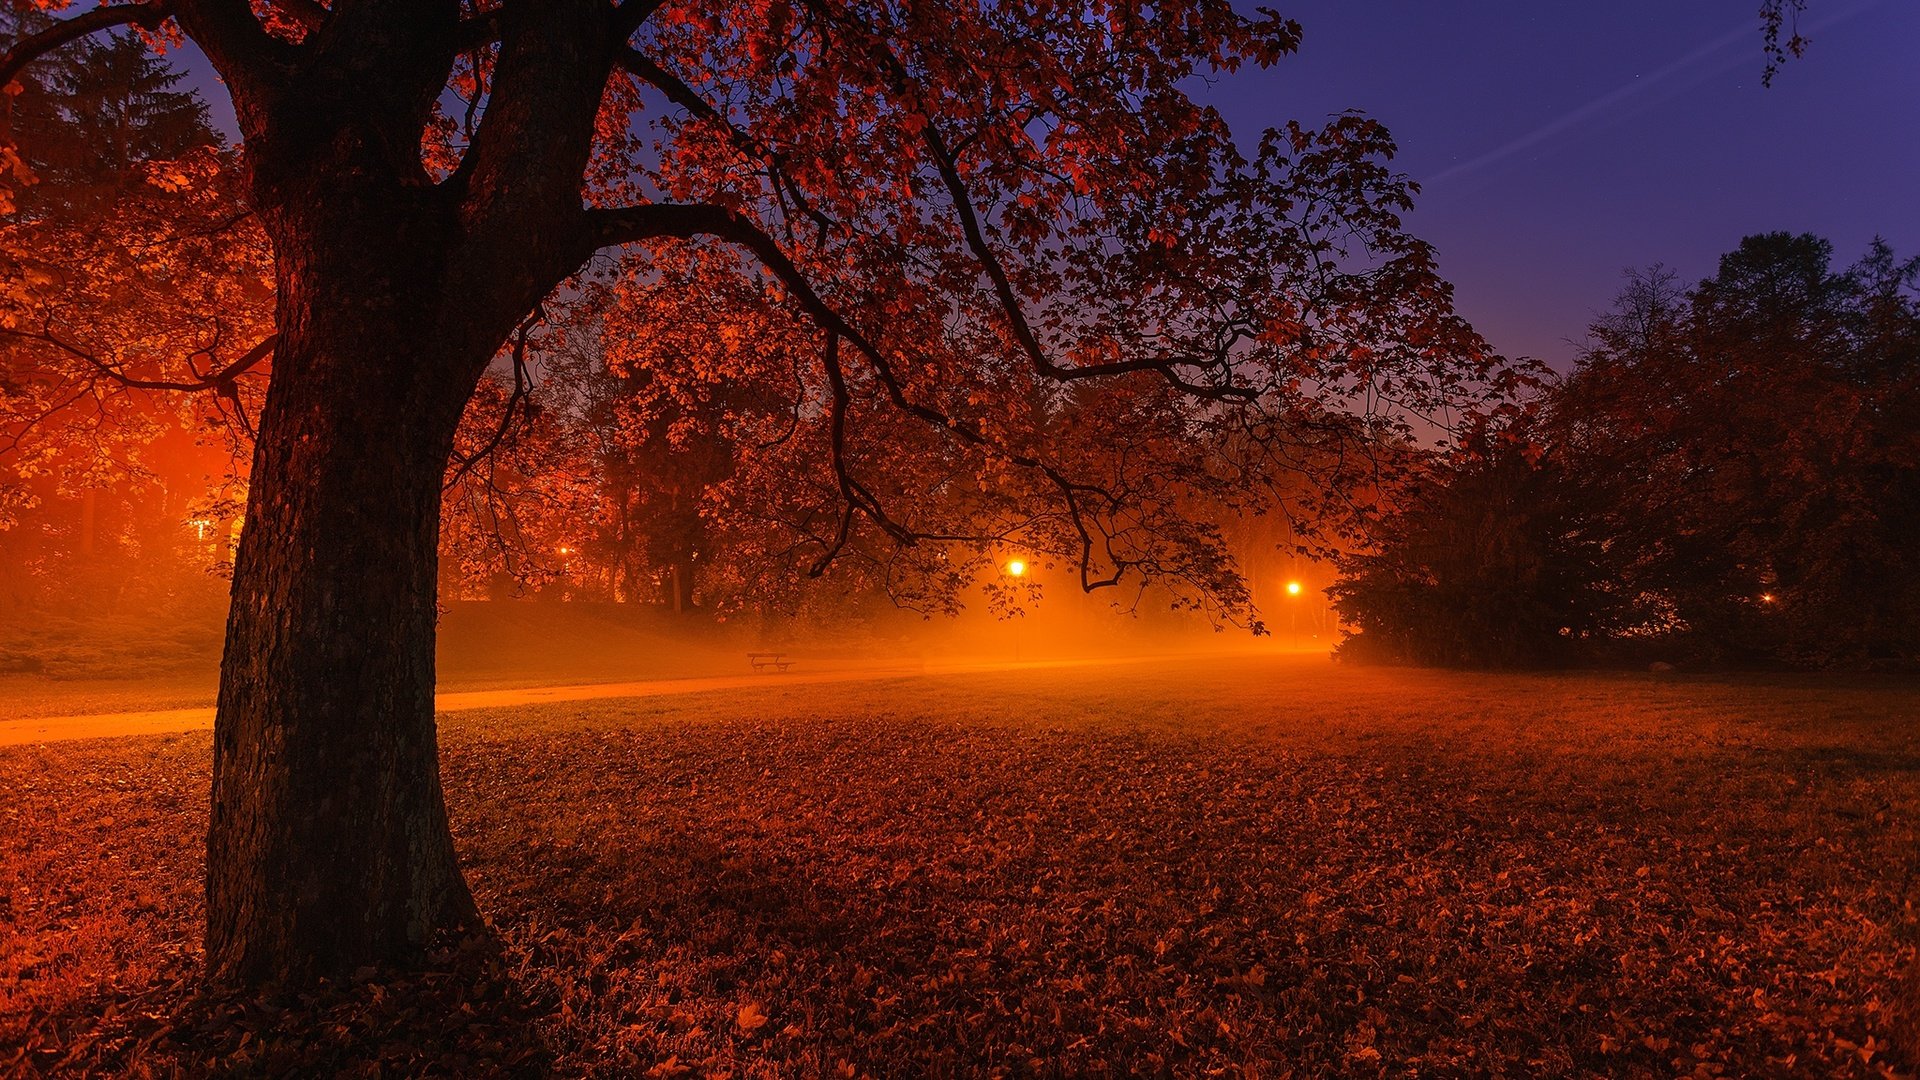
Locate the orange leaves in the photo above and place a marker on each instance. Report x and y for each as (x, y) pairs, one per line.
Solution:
(1081, 873)
(750, 1018)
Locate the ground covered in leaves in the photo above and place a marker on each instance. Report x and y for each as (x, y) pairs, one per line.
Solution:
(1259, 867)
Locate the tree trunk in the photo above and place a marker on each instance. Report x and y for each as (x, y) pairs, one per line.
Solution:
(682, 583)
(329, 846)
(89, 502)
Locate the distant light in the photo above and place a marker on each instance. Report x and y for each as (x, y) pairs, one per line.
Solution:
(1293, 588)
(566, 551)
(1766, 598)
(1017, 568)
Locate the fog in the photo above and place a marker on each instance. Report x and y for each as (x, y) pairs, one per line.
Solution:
(109, 625)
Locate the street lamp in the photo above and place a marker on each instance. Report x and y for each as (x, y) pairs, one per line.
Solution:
(1016, 568)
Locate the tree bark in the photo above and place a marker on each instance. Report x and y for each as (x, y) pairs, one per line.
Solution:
(329, 846)
(681, 582)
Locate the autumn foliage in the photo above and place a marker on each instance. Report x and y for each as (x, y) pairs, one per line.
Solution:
(1730, 474)
(1177, 869)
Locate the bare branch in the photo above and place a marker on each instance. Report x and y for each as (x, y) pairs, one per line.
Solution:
(220, 381)
(522, 385)
(677, 91)
(946, 164)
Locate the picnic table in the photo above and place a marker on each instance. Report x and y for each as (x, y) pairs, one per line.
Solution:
(761, 661)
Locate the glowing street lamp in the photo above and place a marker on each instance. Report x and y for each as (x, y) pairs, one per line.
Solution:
(1016, 568)
(1293, 588)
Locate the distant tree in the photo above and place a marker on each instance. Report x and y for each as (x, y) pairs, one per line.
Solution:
(126, 270)
(705, 373)
(1732, 469)
(520, 492)
(1765, 425)
(1499, 557)
(88, 124)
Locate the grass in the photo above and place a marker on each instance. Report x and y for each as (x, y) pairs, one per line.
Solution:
(1259, 867)
(483, 646)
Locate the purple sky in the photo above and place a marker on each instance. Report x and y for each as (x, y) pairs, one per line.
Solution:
(1560, 143)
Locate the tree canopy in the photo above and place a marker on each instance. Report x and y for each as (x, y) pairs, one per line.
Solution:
(1731, 472)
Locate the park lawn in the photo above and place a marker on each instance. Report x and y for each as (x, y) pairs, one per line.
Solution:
(1248, 866)
(152, 661)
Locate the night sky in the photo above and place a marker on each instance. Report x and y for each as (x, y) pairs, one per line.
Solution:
(1559, 144)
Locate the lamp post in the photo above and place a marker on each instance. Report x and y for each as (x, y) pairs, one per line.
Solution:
(1293, 610)
(1017, 568)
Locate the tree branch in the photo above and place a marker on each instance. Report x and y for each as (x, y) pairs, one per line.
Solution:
(522, 386)
(479, 30)
(147, 16)
(630, 15)
(220, 381)
(947, 166)
(677, 91)
(241, 50)
(686, 221)
(310, 14)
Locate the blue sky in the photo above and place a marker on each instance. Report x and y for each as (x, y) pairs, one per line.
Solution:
(1560, 143)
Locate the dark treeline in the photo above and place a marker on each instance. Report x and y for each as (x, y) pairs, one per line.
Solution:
(1729, 475)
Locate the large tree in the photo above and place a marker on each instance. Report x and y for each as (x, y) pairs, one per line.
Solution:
(973, 206)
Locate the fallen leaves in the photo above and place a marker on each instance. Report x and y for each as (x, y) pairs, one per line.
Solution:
(852, 893)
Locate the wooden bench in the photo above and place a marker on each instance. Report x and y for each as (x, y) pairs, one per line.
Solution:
(761, 661)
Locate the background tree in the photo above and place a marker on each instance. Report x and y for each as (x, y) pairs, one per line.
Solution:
(974, 207)
(1732, 472)
(522, 481)
(1499, 557)
(127, 271)
(705, 370)
(1765, 422)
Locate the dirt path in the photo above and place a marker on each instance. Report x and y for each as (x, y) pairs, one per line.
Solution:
(44, 729)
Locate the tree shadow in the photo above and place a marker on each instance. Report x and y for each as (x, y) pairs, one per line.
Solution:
(459, 1014)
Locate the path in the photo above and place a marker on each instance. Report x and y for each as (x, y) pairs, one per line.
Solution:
(44, 729)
